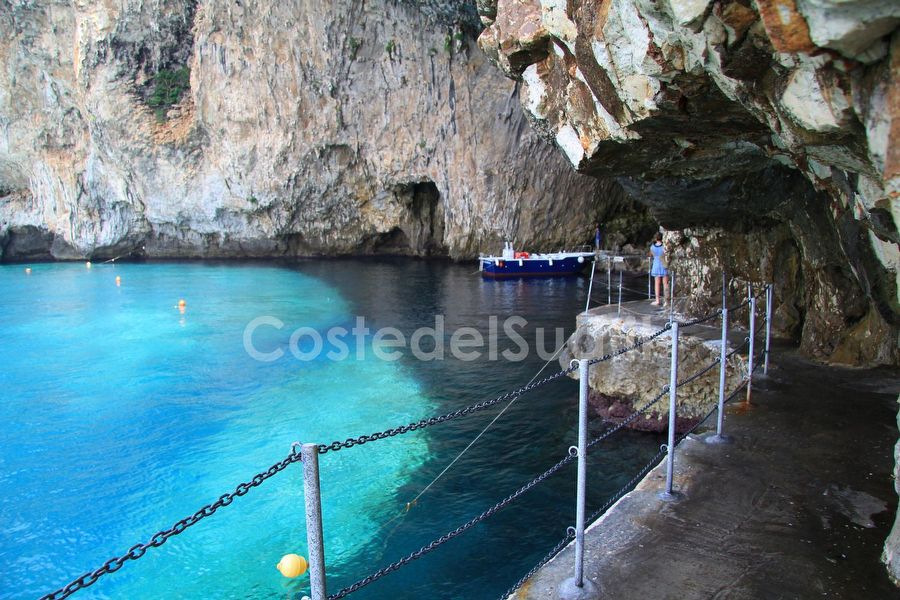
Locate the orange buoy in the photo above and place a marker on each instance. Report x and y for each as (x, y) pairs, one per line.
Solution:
(182, 305)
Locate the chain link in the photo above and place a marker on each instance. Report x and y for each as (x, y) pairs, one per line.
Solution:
(714, 315)
(736, 307)
(569, 536)
(547, 558)
(160, 537)
(452, 534)
(628, 486)
(634, 346)
(462, 412)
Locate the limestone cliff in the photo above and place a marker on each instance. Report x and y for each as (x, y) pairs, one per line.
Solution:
(766, 131)
(770, 126)
(308, 127)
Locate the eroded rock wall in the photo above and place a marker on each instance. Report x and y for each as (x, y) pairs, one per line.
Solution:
(771, 124)
(309, 127)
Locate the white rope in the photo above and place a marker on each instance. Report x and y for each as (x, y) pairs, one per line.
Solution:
(412, 503)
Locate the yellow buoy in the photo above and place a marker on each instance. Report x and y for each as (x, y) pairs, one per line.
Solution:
(118, 280)
(88, 264)
(28, 270)
(182, 305)
(292, 565)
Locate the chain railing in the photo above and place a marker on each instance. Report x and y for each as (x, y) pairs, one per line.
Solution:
(160, 537)
(462, 412)
(310, 453)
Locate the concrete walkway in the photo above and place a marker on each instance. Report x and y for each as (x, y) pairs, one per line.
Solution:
(798, 507)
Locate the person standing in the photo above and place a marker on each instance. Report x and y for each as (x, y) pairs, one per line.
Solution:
(597, 239)
(659, 269)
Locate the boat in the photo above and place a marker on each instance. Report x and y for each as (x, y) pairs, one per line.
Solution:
(524, 264)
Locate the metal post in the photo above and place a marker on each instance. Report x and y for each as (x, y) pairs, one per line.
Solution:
(620, 293)
(650, 280)
(752, 346)
(582, 469)
(577, 587)
(669, 493)
(608, 280)
(671, 296)
(719, 437)
(312, 493)
(770, 301)
(724, 294)
(587, 304)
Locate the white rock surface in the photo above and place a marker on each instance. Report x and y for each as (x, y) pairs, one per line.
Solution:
(309, 127)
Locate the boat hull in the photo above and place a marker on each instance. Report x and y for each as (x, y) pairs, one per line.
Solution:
(533, 267)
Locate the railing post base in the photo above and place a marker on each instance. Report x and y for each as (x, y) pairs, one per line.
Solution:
(672, 496)
(716, 439)
(569, 591)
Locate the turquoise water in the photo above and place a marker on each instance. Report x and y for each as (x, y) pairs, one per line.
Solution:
(121, 415)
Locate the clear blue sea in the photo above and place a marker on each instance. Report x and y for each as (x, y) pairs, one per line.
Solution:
(119, 415)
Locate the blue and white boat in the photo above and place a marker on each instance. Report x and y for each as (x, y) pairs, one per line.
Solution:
(524, 264)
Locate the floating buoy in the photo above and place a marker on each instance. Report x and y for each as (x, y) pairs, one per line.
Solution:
(88, 264)
(28, 270)
(580, 259)
(118, 281)
(181, 306)
(292, 565)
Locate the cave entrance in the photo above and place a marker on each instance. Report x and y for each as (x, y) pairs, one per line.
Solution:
(420, 230)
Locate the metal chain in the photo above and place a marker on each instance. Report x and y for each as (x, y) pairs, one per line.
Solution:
(714, 315)
(634, 346)
(739, 306)
(547, 558)
(634, 480)
(449, 536)
(738, 349)
(570, 536)
(699, 373)
(628, 486)
(629, 419)
(159, 538)
(422, 424)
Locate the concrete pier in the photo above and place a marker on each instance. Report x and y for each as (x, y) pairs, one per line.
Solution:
(798, 507)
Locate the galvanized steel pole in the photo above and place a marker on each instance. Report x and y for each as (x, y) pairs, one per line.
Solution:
(752, 346)
(620, 293)
(723, 351)
(313, 497)
(720, 437)
(583, 367)
(587, 304)
(671, 296)
(650, 280)
(577, 587)
(770, 301)
(608, 280)
(669, 494)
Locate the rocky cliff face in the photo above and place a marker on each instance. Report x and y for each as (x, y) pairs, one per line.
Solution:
(766, 131)
(307, 127)
(770, 127)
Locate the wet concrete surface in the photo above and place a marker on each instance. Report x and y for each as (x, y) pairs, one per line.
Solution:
(798, 506)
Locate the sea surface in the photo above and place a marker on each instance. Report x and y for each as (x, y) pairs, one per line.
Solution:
(121, 414)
